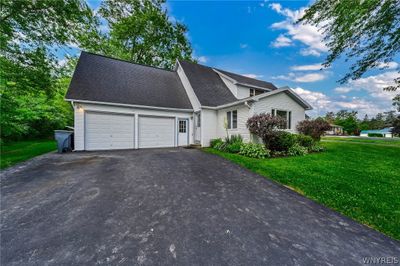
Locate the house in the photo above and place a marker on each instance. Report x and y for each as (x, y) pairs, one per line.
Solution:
(386, 133)
(122, 105)
(335, 130)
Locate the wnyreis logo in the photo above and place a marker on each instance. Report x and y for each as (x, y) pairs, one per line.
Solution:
(381, 260)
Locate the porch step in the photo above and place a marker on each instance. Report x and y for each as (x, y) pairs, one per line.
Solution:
(194, 146)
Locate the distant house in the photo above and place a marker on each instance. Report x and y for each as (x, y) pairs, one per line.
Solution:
(386, 133)
(335, 130)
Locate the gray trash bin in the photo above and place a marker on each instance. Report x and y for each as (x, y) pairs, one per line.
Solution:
(64, 140)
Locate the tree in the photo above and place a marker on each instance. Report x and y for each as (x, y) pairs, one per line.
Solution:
(390, 117)
(396, 102)
(396, 127)
(141, 32)
(313, 128)
(265, 126)
(30, 34)
(348, 120)
(330, 117)
(365, 31)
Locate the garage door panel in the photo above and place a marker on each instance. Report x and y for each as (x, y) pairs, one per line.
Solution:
(156, 132)
(109, 131)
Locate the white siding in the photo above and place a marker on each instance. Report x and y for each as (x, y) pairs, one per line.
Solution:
(208, 126)
(243, 92)
(281, 101)
(79, 123)
(189, 89)
(232, 87)
(243, 115)
(79, 128)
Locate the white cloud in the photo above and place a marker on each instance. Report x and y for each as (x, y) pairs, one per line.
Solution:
(306, 34)
(388, 65)
(282, 41)
(202, 59)
(243, 45)
(322, 103)
(307, 67)
(253, 76)
(312, 77)
(373, 86)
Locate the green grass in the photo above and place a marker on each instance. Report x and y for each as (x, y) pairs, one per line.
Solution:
(383, 141)
(15, 152)
(358, 180)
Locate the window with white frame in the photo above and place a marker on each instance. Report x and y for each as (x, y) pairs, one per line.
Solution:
(287, 115)
(182, 126)
(231, 118)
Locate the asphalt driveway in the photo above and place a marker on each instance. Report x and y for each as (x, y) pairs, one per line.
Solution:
(168, 206)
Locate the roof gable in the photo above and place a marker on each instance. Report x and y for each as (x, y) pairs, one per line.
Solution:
(246, 81)
(207, 84)
(103, 79)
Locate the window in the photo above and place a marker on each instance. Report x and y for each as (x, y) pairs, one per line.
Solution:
(254, 92)
(287, 115)
(231, 118)
(182, 126)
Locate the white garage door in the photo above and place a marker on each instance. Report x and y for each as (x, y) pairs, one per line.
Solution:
(109, 131)
(155, 132)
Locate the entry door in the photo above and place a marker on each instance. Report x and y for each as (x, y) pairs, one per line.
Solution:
(183, 132)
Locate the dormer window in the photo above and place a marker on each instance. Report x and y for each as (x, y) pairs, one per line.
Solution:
(254, 92)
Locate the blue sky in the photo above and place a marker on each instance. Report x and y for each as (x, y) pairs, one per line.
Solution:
(259, 39)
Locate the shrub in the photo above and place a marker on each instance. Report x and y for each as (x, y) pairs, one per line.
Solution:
(375, 135)
(221, 146)
(282, 141)
(297, 150)
(265, 126)
(233, 147)
(313, 128)
(234, 139)
(304, 140)
(316, 148)
(215, 142)
(254, 150)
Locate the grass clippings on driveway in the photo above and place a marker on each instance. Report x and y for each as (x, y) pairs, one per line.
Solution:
(15, 152)
(360, 181)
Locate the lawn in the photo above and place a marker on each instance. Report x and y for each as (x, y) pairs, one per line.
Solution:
(382, 141)
(361, 181)
(15, 152)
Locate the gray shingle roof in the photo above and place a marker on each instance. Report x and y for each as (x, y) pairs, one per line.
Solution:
(104, 79)
(207, 84)
(249, 81)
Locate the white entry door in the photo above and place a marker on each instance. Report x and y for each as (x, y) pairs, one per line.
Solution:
(156, 132)
(183, 132)
(104, 131)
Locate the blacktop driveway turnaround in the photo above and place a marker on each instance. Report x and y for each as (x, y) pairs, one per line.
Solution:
(169, 206)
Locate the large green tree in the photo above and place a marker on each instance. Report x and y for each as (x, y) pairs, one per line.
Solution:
(141, 32)
(366, 32)
(31, 85)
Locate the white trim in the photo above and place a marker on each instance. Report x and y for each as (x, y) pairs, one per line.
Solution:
(131, 105)
(240, 83)
(258, 97)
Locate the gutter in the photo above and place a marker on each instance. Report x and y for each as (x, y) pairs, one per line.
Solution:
(130, 105)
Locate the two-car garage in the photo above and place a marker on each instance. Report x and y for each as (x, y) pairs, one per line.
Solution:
(107, 131)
